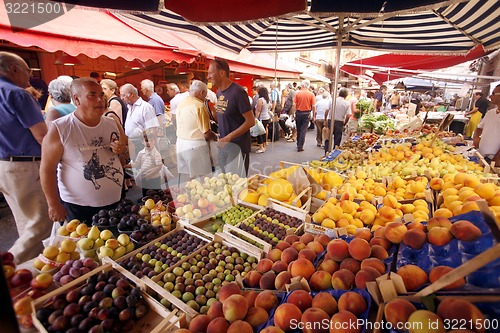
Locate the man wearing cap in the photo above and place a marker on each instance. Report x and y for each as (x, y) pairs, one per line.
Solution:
(22, 130)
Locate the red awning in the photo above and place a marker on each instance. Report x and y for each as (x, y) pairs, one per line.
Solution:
(92, 33)
(244, 62)
(392, 66)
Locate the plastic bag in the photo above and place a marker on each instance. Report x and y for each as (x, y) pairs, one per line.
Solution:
(257, 129)
(290, 123)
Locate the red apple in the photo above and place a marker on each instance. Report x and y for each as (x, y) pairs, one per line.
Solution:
(41, 281)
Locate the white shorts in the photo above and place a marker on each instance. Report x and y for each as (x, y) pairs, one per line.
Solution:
(193, 157)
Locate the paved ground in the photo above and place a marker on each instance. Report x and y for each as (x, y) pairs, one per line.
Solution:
(263, 163)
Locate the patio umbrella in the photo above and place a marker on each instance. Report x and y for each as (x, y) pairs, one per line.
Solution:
(427, 27)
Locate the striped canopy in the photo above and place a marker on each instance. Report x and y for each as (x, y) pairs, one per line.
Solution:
(447, 27)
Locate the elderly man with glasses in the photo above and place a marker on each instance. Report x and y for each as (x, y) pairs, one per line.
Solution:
(22, 130)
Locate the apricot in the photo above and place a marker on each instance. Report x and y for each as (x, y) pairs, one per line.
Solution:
(252, 279)
(468, 206)
(395, 232)
(240, 326)
(298, 246)
(416, 225)
(380, 232)
(375, 263)
(267, 280)
(443, 212)
(343, 279)
(286, 314)
(353, 302)
(313, 317)
(381, 241)
(413, 276)
(359, 249)
(307, 254)
(320, 280)
(379, 252)
(329, 265)
(250, 295)
(438, 222)
(436, 184)
(387, 214)
(282, 279)
(279, 266)
(266, 300)
(465, 231)
(292, 238)
(365, 275)
(199, 323)
(463, 311)
(415, 238)
(274, 255)
(345, 322)
(218, 325)
(323, 239)
(264, 265)
(215, 310)
(439, 236)
(306, 238)
(317, 247)
(398, 311)
(363, 233)
(228, 290)
(337, 249)
(234, 308)
(282, 245)
(256, 316)
(325, 301)
(437, 272)
(301, 267)
(351, 264)
(272, 329)
(419, 322)
(301, 298)
(289, 254)
(486, 190)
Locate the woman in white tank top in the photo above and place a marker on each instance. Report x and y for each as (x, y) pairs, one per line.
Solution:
(264, 114)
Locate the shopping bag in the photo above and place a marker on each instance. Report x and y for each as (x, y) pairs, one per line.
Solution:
(257, 129)
(290, 123)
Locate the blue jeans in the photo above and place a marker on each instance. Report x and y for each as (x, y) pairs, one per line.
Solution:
(302, 123)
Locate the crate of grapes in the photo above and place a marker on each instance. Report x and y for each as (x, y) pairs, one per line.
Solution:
(165, 251)
(271, 224)
(102, 300)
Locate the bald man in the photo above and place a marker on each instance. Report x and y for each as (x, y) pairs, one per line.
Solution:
(81, 171)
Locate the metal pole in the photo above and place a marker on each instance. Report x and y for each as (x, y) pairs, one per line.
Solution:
(340, 35)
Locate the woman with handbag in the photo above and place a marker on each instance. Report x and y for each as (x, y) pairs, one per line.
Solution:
(263, 113)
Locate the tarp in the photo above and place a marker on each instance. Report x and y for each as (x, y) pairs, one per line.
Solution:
(390, 66)
(446, 27)
(243, 62)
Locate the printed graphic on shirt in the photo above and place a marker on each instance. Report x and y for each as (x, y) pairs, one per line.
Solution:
(93, 170)
(221, 105)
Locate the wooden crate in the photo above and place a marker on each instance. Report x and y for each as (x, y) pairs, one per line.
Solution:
(218, 237)
(178, 227)
(198, 225)
(158, 319)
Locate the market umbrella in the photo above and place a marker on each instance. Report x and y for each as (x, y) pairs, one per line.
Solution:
(426, 27)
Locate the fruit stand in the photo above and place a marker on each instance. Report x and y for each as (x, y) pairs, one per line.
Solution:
(403, 236)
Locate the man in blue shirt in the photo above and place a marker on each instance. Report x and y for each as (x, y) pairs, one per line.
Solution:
(148, 89)
(22, 130)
